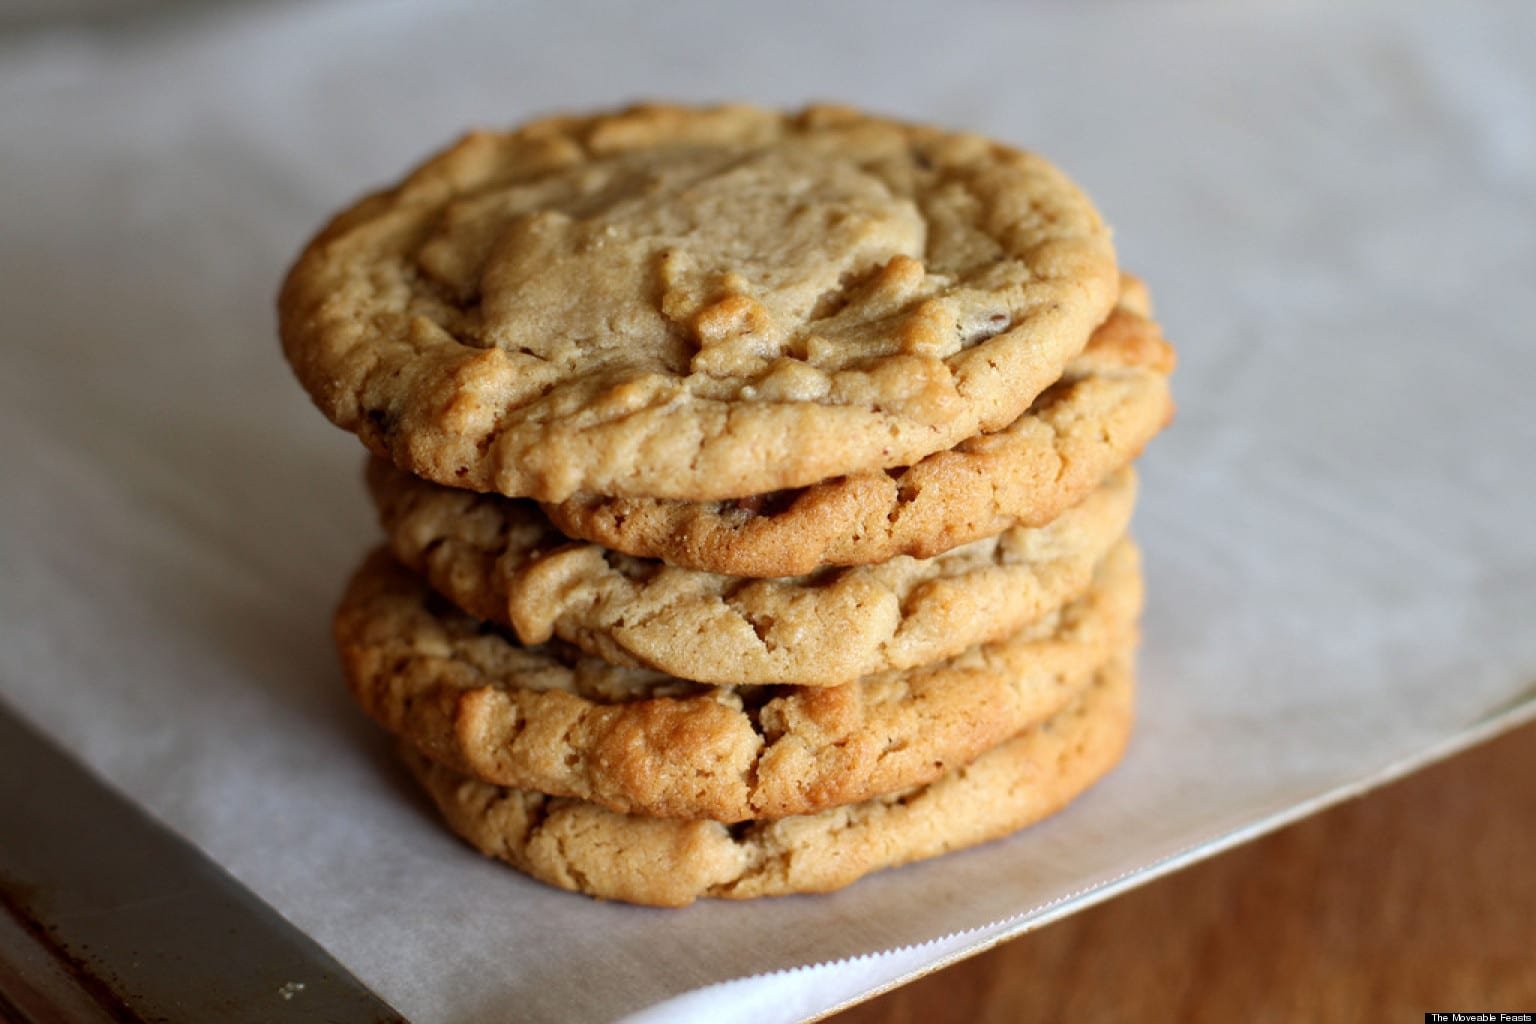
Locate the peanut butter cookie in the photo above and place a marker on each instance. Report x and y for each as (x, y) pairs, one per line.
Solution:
(501, 559)
(695, 304)
(585, 848)
(548, 719)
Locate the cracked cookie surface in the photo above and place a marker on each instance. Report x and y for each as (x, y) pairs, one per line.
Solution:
(501, 559)
(1110, 401)
(695, 303)
(585, 848)
(551, 720)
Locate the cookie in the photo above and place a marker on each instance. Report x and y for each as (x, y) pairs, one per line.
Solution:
(694, 303)
(1109, 403)
(546, 719)
(585, 848)
(500, 559)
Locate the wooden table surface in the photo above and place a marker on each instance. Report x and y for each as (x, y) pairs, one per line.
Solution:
(1420, 896)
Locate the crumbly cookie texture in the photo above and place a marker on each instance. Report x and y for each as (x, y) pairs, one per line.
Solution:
(1110, 401)
(695, 304)
(632, 741)
(501, 559)
(585, 848)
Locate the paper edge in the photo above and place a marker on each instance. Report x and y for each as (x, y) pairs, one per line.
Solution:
(704, 1003)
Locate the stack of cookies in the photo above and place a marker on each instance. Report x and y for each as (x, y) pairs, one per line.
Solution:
(754, 490)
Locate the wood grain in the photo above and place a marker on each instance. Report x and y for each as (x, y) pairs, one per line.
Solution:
(1420, 896)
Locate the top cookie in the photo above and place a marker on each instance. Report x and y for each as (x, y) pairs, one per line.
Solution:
(695, 304)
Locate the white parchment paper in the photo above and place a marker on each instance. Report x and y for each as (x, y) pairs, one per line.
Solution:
(1334, 205)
